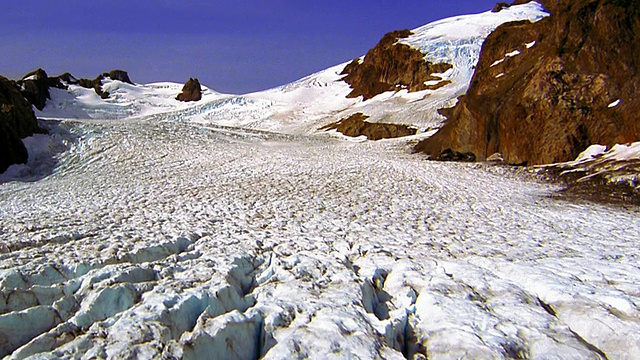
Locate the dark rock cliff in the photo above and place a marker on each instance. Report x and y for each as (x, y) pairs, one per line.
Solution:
(391, 66)
(570, 80)
(17, 121)
(35, 87)
(191, 91)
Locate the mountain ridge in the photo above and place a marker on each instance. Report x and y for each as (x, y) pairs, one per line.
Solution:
(565, 83)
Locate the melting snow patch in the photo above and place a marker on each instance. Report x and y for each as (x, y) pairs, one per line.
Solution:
(497, 62)
(499, 75)
(591, 153)
(530, 45)
(513, 53)
(615, 103)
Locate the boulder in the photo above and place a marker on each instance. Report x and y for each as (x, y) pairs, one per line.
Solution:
(35, 88)
(17, 121)
(543, 92)
(391, 66)
(191, 91)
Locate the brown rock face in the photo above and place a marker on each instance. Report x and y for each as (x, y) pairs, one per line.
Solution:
(575, 86)
(191, 91)
(17, 121)
(355, 125)
(390, 66)
(119, 75)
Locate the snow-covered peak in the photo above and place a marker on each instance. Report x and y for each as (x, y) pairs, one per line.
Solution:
(472, 26)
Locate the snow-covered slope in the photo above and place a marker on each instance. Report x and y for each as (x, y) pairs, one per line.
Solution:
(125, 101)
(307, 104)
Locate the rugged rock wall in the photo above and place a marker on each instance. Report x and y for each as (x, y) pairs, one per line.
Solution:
(389, 66)
(544, 92)
(17, 121)
(35, 87)
(191, 91)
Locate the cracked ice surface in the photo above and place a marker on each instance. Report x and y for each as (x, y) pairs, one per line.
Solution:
(159, 239)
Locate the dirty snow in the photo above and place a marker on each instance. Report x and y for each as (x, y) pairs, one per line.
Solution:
(618, 165)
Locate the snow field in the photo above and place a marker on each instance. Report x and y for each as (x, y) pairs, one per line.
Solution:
(155, 238)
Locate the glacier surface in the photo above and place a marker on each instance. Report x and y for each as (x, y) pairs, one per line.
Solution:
(230, 229)
(156, 238)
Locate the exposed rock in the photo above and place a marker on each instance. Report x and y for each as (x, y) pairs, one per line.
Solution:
(543, 92)
(61, 81)
(355, 125)
(495, 158)
(119, 75)
(501, 6)
(191, 91)
(450, 155)
(390, 66)
(17, 121)
(96, 84)
(35, 88)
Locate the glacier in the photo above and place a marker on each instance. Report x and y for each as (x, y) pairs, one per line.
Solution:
(231, 229)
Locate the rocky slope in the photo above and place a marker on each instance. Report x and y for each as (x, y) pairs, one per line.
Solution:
(543, 92)
(17, 121)
(391, 65)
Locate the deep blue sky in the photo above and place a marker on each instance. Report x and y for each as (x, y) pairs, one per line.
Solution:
(231, 46)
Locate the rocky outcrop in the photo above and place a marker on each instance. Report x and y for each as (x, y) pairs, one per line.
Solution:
(61, 81)
(17, 121)
(543, 92)
(191, 91)
(35, 85)
(119, 75)
(501, 6)
(391, 66)
(35, 88)
(96, 84)
(355, 125)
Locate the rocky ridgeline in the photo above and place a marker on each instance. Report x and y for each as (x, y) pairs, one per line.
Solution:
(35, 85)
(17, 119)
(391, 65)
(543, 92)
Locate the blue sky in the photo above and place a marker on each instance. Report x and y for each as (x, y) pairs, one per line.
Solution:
(231, 46)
